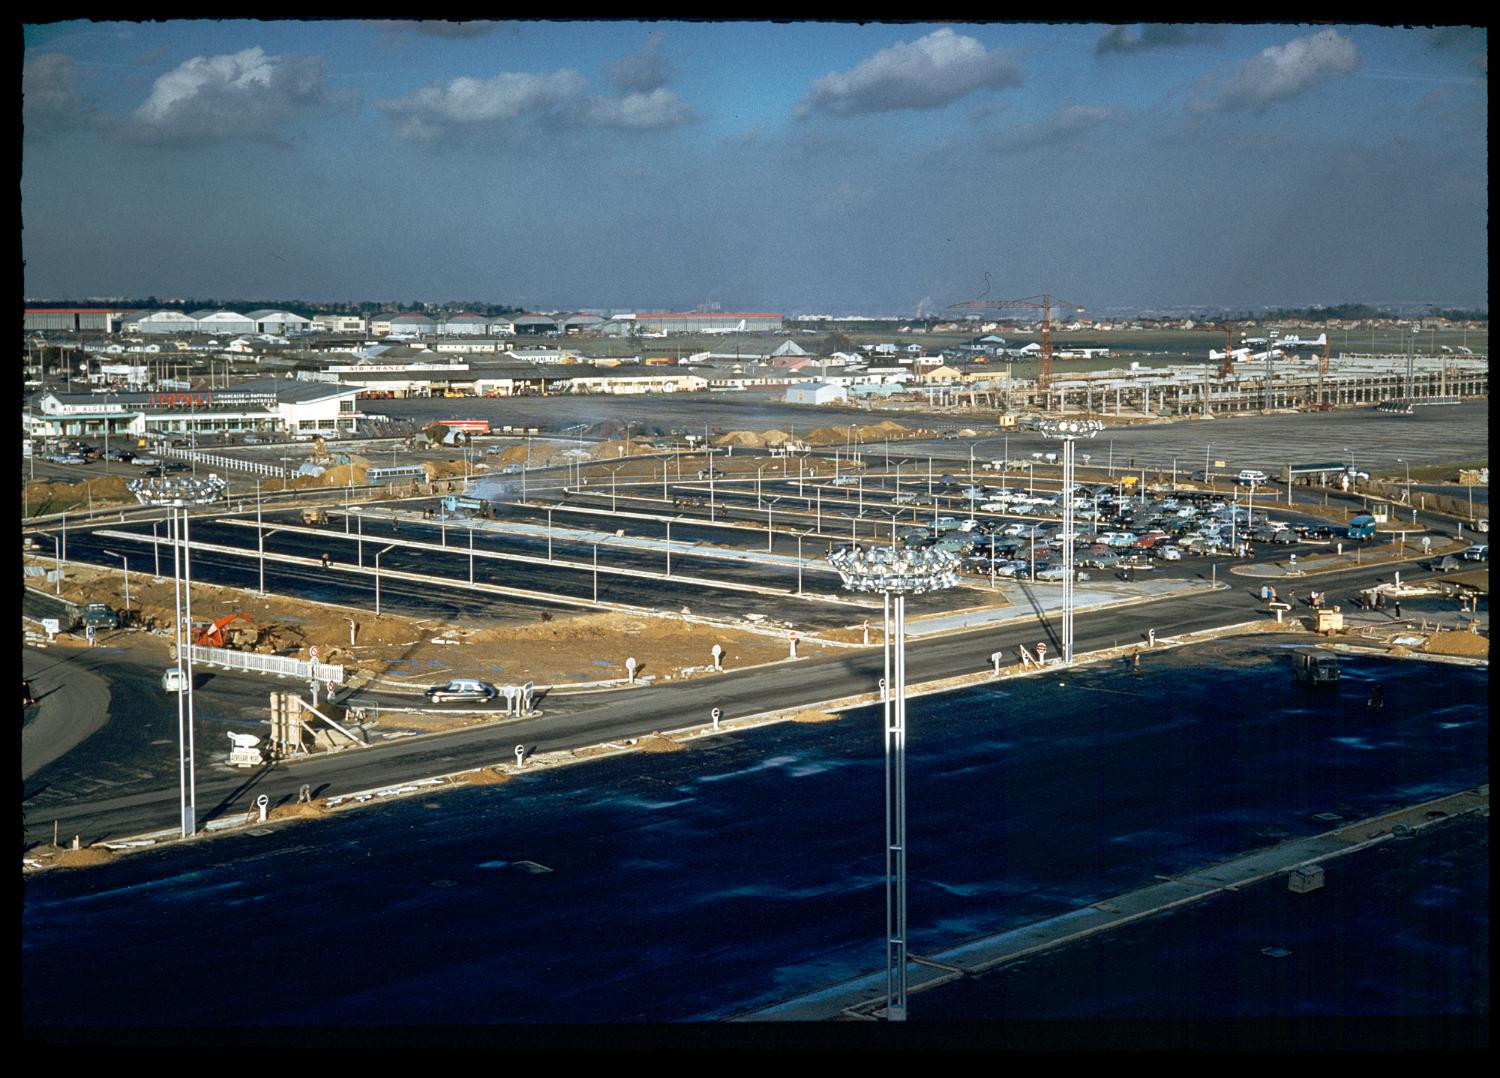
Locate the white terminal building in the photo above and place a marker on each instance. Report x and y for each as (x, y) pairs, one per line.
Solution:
(270, 405)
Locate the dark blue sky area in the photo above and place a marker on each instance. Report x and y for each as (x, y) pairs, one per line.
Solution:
(798, 168)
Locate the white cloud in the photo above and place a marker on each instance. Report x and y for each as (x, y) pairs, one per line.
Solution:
(643, 71)
(246, 94)
(1279, 73)
(52, 96)
(924, 74)
(640, 112)
(464, 101)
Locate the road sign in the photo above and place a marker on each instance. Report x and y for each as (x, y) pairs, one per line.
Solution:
(792, 635)
(520, 755)
(312, 653)
(52, 625)
(716, 715)
(1041, 651)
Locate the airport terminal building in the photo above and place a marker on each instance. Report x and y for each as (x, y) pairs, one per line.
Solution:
(268, 405)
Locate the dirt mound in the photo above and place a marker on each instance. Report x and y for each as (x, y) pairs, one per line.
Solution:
(89, 855)
(656, 743)
(815, 716)
(484, 777)
(56, 496)
(1468, 644)
(616, 448)
(741, 439)
(304, 810)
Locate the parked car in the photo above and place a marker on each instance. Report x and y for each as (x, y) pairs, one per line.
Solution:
(1169, 553)
(465, 689)
(144, 461)
(173, 680)
(124, 456)
(711, 473)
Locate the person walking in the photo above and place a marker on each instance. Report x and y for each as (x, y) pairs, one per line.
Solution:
(26, 698)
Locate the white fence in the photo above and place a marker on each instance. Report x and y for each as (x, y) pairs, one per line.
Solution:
(269, 664)
(214, 460)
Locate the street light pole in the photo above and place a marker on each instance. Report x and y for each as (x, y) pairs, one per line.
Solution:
(894, 573)
(377, 576)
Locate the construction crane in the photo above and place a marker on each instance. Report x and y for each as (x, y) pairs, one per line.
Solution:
(1226, 365)
(1043, 303)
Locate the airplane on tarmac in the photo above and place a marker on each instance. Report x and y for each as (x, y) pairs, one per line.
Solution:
(737, 329)
(1295, 341)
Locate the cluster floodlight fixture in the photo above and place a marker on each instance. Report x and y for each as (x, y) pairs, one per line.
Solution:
(893, 571)
(178, 490)
(1068, 429)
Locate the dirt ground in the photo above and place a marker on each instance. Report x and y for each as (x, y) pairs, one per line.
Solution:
(563, 649)
(1472, 645)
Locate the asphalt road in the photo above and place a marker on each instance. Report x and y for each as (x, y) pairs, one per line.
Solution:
(584, 719)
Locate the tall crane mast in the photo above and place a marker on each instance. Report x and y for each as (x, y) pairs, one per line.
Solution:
(1226, 365)
(1043, 303)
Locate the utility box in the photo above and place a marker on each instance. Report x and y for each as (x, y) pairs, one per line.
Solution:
(1304, 878)
(1329, 621)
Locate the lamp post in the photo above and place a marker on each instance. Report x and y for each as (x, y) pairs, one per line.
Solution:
(177, 496)
(126, 560)
(1399, 460)
(894, 574)
(387, 550)
(612, 473)
(1068, 431)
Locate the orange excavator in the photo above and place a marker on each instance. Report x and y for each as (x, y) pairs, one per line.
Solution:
(214, 636)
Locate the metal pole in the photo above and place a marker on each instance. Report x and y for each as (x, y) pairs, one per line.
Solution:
(1067, 550)
(896, 1008)
(361, 540)
(471, 555)
(887, 691)
(127, 581)
(156, 550)
(187, 602)
(669, 548)
(377, 582)
(549, 534)
(596, 572)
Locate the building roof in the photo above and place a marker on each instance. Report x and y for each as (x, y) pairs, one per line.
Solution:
(711, 314)
(74, 310)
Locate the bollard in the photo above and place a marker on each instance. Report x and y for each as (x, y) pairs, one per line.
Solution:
(630, 671)
(77, 843)
(718, 653)
(867, 632)
(262, 803)
(520, 755)
(1151, 638)
(792, 639)
(995, 658)
(882, 688)
(716, 714)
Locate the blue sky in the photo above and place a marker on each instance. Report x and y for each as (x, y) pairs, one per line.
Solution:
(787, 167)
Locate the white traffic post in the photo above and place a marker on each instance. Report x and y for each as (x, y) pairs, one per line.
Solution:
(520, 755)
(262, 803)
(1151, 638)
(792, 639)
(630, 671)
(718, 654)
(995, 658)
(1041, 653)
(716, 715)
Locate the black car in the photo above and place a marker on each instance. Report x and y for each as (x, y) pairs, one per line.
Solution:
(124, 456)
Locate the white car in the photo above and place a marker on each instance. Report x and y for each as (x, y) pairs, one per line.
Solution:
(173, 680)
(1168, 553)
(1478, 552)
(846, 480)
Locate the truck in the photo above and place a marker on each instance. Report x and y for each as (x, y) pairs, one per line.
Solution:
(1361, 527)
(1315, 668)
(315, 516)
(99, 616)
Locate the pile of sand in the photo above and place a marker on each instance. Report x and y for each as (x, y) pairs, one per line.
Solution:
(484, 777)
(741, 439)
(655, 742)
(1468, 644)
(302, 809)
(616, 448)
(89, 855)
(815, 716)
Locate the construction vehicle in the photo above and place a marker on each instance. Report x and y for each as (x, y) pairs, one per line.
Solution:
(315, 516)
(219, 634)
(320, 452)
